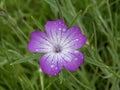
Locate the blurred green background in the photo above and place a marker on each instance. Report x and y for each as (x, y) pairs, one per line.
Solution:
(99, 21)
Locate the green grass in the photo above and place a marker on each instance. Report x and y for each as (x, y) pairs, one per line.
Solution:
(99, 21)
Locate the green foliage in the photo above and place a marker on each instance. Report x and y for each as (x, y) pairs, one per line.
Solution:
(99, 21)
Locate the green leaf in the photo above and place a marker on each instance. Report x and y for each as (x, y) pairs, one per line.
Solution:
(27, 58)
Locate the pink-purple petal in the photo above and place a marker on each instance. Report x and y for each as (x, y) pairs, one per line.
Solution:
(49, 64)
(75, 29)
(39, 42)
(58, 25)
(74, 61)
(73, 38)
(76, 42)
(54, 30)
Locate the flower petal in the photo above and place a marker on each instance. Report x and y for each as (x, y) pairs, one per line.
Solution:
(58, 25)
(73, 38)
(49, 64)
(73, 60)
(55, 29)
(75, 29)
(39, 42)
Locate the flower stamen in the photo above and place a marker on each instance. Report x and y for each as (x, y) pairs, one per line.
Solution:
(57, 49)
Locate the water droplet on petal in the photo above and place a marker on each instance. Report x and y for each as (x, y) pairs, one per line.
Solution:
(76, 51)
(76, 39)
(59, 28)
(82, 57)
(36, 50)
(69, 60)
(59, 22)
(64, 29)
(76, 59)
(52, 66)
(56, 68)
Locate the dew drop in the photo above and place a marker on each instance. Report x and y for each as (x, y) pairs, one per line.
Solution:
(36, 50)
(59, 22)
(76, 39)
(82, 57)
(76, 52)
(69, 60)
(59, 28)
(64, 29)
(56, 68)
(76, 59)
(52, 66)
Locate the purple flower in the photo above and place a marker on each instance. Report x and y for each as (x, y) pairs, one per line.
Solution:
(59, 45)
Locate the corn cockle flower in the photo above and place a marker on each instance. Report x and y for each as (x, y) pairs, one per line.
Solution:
(59, 45)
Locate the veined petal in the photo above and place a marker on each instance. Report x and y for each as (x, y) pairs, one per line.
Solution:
(55, 29)
(73, 38)
(39, 42)
(49, 64)
(72, 60)
(76, 42)
(58, 25)
(75, 29)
